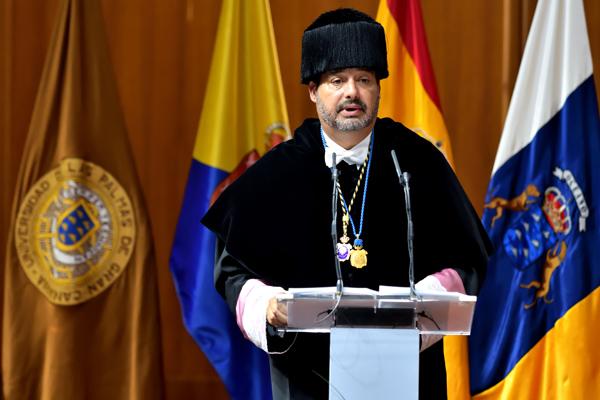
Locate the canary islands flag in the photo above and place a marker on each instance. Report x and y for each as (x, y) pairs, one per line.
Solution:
(536, 322)
(243, 115)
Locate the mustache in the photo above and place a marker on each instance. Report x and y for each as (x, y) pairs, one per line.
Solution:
(355, 102)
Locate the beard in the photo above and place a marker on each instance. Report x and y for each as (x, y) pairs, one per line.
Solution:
(350, 124)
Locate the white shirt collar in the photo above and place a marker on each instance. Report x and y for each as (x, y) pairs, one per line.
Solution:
(354, 156)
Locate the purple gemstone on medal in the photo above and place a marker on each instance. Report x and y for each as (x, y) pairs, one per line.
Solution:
(343, 251)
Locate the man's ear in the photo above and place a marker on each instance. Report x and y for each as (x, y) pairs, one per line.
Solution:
(312, 91)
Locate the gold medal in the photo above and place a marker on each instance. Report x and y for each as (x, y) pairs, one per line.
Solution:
(358, 258)
(358, 255)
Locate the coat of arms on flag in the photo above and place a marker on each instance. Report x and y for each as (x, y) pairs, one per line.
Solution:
(536, 239)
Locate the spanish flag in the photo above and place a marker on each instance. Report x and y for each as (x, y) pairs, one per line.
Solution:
(80, 312)
(243, 116)
(409, 95)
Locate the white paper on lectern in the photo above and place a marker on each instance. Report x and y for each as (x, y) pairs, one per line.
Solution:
(331, 291)
(427, 293)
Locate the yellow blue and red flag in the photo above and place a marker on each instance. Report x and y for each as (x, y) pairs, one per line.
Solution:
(243, 116)
(536, 321)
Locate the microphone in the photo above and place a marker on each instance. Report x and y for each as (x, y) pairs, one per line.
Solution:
(404, 177)
(339, 288)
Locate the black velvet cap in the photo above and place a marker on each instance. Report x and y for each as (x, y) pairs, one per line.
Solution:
(343, 38)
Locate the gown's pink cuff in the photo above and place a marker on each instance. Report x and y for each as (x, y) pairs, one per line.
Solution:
(240, 306)
(446, 280)
(251, 311)
(450, 280)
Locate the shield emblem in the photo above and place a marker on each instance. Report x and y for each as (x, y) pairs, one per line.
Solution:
(75, 225)
(538, 229)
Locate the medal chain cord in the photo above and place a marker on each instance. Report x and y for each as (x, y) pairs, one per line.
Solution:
(347, 211)
(362, 208)
(362, 171)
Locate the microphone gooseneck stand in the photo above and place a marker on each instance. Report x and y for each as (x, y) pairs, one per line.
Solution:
(404, 178)
(339, 287)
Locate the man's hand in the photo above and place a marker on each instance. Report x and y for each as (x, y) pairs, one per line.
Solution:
(277, 313)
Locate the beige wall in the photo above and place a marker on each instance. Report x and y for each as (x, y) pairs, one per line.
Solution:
(161, 53)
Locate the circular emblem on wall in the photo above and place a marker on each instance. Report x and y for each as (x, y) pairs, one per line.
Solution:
(75, 232)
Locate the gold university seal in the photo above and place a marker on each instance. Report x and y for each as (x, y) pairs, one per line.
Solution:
(75, 232)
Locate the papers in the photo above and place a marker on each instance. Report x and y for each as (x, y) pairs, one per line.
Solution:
(330, 291)
(428, 294)
(394, 290)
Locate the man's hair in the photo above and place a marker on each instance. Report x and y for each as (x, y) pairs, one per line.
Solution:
(343, 38)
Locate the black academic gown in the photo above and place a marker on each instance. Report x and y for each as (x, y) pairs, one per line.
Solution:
(274, 222)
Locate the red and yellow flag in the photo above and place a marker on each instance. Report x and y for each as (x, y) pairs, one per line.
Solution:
(410, 96)
(80, 311)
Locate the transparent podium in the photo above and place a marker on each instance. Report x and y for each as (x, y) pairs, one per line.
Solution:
(374, 341)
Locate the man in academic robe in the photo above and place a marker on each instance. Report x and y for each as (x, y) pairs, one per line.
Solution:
(273, 224)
